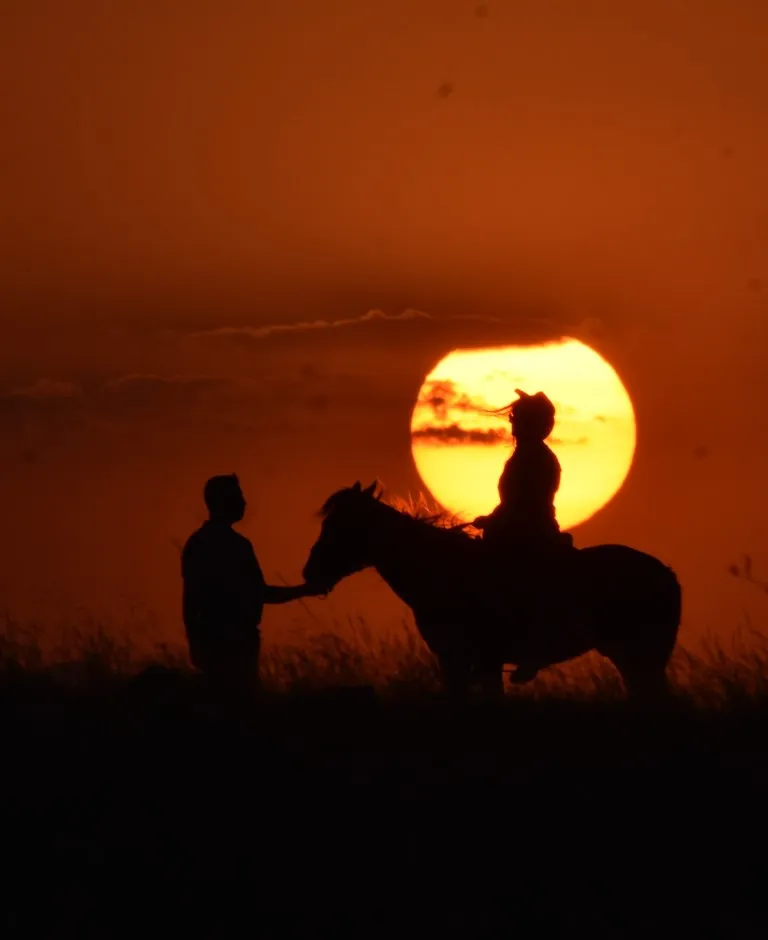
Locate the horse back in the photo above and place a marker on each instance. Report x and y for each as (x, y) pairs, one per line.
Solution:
(639, 581)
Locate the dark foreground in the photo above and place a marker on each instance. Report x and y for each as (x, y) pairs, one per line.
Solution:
(147, 808)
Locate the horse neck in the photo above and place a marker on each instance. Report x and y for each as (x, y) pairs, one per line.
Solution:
(403, 552)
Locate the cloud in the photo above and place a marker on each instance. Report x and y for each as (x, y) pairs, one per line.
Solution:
(567, 442)
(282, 398)
(302, 326)
(378, 326)
(453, 434)
(46, 389)
(138, 388)
(442, 397)
(396, 345)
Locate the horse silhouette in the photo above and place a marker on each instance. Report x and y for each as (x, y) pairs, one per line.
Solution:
(474, 615)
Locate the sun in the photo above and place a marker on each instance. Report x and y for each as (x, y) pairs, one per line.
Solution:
(460, 452)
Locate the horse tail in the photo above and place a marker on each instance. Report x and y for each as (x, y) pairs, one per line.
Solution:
(640, 615)
(643, 663)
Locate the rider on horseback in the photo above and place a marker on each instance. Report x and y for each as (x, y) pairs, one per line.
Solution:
(524, 523)
(525, 516)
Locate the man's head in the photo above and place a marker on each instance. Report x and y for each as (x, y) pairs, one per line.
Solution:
(532, 417)
(224, 498)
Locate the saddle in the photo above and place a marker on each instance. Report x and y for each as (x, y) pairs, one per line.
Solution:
(530, 577)
(551, 549)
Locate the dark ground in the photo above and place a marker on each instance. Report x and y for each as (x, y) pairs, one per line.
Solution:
(143, 807)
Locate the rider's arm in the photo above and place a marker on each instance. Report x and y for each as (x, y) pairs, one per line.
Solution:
(482, 520)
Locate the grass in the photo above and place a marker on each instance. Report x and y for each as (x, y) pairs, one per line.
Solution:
(396, 665)
(132, 807)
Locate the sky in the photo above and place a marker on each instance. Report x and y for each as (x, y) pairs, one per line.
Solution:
(237, 236)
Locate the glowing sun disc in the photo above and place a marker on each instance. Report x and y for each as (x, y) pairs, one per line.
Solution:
(460, 452)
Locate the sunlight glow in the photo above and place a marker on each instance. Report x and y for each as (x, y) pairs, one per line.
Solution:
(460, 453)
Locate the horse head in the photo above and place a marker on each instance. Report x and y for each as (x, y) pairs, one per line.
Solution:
(342, 548)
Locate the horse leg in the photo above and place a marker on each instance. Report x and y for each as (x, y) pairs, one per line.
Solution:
(644, 682)
(642, 665)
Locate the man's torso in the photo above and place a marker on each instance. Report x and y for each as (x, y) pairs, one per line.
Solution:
(221, 570)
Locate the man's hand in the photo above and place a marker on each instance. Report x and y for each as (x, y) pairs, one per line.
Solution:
(316, 590)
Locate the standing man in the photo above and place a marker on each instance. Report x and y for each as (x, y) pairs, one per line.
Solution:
(225, 592)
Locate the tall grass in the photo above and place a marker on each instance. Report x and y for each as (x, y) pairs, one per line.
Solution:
(92, 655)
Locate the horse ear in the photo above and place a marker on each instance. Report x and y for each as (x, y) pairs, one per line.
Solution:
(356, 486)
(368, 491)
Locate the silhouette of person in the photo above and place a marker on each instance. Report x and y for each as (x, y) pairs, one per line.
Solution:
(525, 517)
(225, 592)
(523, 528)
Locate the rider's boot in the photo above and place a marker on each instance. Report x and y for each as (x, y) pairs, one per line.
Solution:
(530, 665)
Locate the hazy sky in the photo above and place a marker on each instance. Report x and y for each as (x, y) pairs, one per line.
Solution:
(177, 176)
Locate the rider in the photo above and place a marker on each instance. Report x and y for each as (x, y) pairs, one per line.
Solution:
(524, 523)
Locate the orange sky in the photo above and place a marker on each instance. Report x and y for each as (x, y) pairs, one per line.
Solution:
(170, 170)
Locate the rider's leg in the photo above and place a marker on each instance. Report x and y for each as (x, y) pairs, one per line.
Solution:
(534, 623)
(551, 624)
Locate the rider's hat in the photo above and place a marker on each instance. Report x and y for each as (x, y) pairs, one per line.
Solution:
(535, 414)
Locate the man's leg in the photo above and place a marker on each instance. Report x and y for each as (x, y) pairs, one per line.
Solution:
(244, 669)
(232, 676)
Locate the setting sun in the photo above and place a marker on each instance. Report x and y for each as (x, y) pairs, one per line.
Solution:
(460, 452)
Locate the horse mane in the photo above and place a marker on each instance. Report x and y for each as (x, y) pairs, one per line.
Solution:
(414, 511)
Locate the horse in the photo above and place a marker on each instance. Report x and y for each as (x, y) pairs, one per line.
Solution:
(475, 617)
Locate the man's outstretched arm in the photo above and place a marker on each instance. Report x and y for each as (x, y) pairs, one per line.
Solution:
(274, 594)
